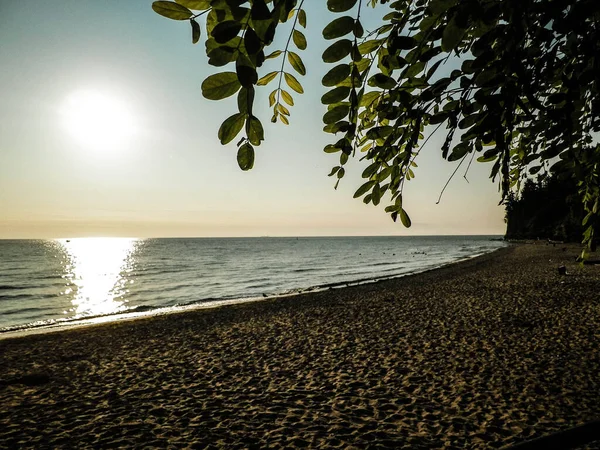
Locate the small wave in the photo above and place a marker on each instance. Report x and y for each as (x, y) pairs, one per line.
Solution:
(21, 311)
(14, 269)
(33, 291)
(258, 285)
(148, 272)
(383, 263)
(202, 301)
(14, 296)
(305, 270)
(141, 308)
(49, 277)
(10, 287)
(72, 320)
(157, 291)
(177, 287)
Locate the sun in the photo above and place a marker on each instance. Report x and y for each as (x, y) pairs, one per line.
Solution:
(98, 120)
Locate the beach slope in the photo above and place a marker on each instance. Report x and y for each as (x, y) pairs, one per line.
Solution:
(479, 354)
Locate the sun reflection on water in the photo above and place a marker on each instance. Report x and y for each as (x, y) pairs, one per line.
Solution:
(97, 273)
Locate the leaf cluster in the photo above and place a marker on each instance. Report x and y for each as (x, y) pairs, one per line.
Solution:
(238, 33)
(514, 83)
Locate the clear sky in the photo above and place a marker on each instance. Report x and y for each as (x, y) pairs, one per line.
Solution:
(160, 169)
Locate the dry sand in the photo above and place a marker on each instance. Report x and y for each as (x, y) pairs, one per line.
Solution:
(479, 354)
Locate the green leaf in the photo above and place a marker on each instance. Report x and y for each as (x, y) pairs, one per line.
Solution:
(364, 188)
(398, 201)
(252, 42)
(245, 99)
(358, 30)
(371, 170)
(267, 78)
(273, 97)
(254, 130)
(220, 55)
(376, 195)
(382, 176)
(296, 63)
(246, 73)
(335, 95)
(275, 54)
(459, 151)
(405, 219)
(299, 39)
(414, 69)
(199, 5)
(369, 46)
(282, 109)
(302, 17)
(336, 75)
(485, 76)
(338, 50)
(293, 83)
(195, 31)
(340, 5)
(452, 35)
(380, 132)
(220, 86)
(331, 149)
(382, 81)
(339, 27)
(439, 7)
(469, 121)
(259, 11)
(245, 157)
(231, 127)
(451, 105)
(336, 114)
(368, 98)
(333, 128)
(172, 10)
(265, 29)
(226, 31)
(403, 43)
(287, 97)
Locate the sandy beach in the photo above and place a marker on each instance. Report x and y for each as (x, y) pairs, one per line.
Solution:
(480, 354)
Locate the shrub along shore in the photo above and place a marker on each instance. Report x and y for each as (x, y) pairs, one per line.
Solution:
(479, 354)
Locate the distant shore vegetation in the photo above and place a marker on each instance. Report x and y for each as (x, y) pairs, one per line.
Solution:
(548, 209)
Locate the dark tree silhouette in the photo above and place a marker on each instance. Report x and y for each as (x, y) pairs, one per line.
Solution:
(548, 209)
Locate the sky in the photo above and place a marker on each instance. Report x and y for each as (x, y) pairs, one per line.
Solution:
(160, 170)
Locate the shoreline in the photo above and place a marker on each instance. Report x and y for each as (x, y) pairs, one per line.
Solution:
(146, 312)
(482, 353)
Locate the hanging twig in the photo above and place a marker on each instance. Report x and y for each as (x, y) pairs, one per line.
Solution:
(450, 179)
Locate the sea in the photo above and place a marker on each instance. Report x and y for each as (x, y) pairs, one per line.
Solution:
(56, 283)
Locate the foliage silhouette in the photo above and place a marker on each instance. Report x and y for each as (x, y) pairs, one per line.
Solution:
(525, 97)
(548, 209)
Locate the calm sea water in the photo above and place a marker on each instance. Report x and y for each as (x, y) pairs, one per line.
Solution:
(46, 282)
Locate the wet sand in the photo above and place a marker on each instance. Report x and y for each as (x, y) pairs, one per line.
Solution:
(479, 354)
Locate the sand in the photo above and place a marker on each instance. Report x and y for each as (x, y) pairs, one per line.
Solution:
(480, 354)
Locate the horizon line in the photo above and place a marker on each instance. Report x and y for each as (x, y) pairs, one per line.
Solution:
(247, 237)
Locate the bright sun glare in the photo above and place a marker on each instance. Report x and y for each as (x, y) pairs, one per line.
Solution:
(98, 120)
